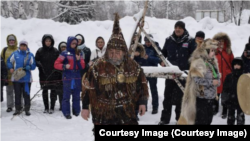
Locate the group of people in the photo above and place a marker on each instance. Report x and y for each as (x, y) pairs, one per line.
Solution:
(60, 72)
(113, 85)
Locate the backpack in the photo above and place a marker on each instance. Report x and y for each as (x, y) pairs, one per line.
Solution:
(4, 51)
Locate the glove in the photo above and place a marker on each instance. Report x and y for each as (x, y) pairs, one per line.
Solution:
(27, 68)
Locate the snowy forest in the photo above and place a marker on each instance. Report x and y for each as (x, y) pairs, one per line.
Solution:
(73, 12)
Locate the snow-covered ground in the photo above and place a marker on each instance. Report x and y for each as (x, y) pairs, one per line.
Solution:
(46, 127)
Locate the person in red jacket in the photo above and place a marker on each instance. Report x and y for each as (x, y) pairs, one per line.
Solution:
(71, 62)
(225, 57)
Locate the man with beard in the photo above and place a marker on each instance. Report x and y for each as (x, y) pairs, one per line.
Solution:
(177, 49)
(114, 84)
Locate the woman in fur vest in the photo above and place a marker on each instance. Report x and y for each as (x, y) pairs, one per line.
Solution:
(201, 86)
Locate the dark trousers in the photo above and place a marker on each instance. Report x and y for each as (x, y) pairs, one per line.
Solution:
(204, 111)
(53, 97)
(231, 116)
(154, 92)
(19, 89)
(172, 96)
(216, 106)
(60, 96)
(1, 92)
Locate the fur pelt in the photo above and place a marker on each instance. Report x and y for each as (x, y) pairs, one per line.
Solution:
(224, 36)
(197, 68)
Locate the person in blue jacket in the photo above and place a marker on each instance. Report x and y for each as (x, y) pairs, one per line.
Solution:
(71, 62)
(150, 59)
(22, 59)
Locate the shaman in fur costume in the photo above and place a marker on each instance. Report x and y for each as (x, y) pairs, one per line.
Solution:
(198, 69)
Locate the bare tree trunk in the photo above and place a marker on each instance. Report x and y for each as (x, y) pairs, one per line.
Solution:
(137, 3)
(151, 8)
(167, 8)
(33, 8)
(22, 13)
(233, 12)
(2, 10)
(241, 8)
(9, 11)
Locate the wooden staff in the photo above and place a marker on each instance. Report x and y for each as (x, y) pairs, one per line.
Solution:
(139, 33)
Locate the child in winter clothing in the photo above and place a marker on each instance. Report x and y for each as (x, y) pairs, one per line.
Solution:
(229, 94)
(71, 63)
(203, 79)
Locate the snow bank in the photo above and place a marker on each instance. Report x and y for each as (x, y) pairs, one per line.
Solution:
(55, 127)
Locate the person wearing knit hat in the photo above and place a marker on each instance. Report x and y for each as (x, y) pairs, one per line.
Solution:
(62, 46)
(114, 84)
(12, 44)
(20, 64)
(177, 49)
(200, 35)
(180, 24)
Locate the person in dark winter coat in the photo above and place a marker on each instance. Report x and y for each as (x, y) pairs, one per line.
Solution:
(150, 59)
(229, 94)
(4, 76)
(22, 59)
(45, 58)
(177, 49)
(85, 51)
(246, 57)
(71, 63)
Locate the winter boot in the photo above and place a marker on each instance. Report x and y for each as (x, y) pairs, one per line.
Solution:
(46, 111)
(163, 123)
(224, 113)
(9, 110)
(51, 111)
(68, 117)
(27, 110)
(27, 113)
(18, 110)
(155, 111)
